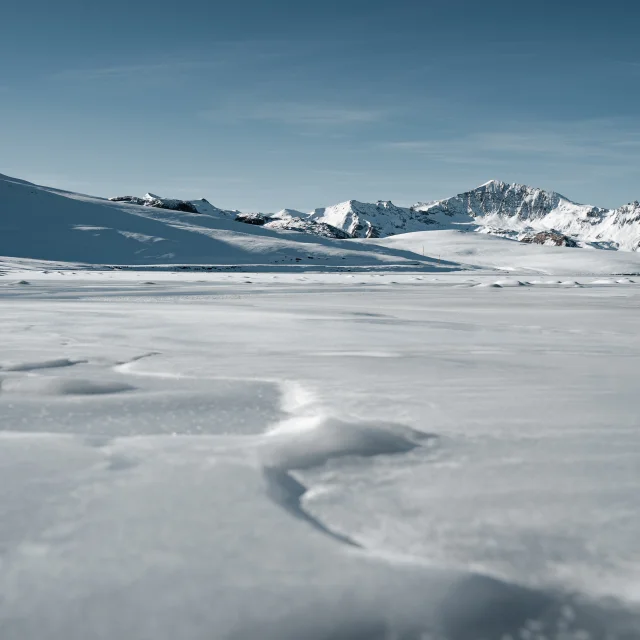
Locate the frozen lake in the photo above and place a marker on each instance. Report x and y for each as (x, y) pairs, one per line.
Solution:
(301, 455)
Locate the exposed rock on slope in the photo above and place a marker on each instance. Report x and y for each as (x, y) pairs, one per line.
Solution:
(252, 218)
(201, 206)
(151, 200)
(305, 225)
(549, 238)
(286, 222)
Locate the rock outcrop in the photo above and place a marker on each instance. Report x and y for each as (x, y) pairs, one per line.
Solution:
(550, 238)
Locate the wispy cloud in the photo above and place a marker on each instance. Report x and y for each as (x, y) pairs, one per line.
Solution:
(584, 141)
(296, 113)
(224, 55)
(132, 71)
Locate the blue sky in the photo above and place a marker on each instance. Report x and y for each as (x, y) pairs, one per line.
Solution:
(260, 105)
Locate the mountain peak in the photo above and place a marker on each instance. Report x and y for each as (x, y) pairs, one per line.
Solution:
(493, 183)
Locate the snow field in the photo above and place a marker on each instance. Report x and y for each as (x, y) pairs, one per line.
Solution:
(317, 455)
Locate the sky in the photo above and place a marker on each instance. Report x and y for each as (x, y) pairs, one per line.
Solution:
(261, 105)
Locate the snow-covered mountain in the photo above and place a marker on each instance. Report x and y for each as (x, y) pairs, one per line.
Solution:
(285, 220)
(511, 210)
(48, 224)
(515, 211)
(363, 220)
(519, 209)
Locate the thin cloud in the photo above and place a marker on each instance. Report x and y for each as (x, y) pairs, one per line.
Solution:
(226, 55)
(589, 140)
(296, 113)
(132, 71)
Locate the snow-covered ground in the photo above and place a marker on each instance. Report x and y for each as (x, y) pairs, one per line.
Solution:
(279, 456)
(493, 253)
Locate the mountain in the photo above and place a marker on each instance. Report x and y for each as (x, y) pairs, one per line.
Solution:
(285, 220)
(362, 220)
(479, 227)
(516, 209)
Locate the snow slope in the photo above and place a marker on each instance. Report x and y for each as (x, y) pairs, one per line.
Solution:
(327, 457)
(497, 253)
(41, 223)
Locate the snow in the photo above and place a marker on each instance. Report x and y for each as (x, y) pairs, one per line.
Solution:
(362, 220)
(501, 208)
(211, 429)
(41, 223)
(495, 207)
(318, 455)
(496, 253)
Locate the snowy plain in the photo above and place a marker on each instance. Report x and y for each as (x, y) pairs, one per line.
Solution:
(359, 455)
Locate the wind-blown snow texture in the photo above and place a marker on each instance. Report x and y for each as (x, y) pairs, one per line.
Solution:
(355, 456)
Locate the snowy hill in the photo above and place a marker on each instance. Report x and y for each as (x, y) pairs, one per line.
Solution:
(47, 224)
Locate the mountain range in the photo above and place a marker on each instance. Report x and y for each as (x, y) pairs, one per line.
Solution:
(510, 210)
(38, 222)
